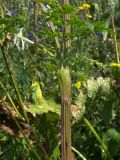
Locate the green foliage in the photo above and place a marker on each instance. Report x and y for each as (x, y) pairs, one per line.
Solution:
(36, 93)
(112, 140)
(34, 56)
(39, 104)
(56, 153)
(47, 130)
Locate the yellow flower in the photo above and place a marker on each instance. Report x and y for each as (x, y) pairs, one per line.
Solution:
(86, 6)
(115, 64)
(88, 15)
(78, 85)
(81, 8)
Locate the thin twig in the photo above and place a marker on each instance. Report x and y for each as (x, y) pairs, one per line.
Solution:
(78, 153)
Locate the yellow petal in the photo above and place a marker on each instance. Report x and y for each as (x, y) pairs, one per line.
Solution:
(115, 64)
(81, 8)
(78, 85)
(85, 5)
(88, 15)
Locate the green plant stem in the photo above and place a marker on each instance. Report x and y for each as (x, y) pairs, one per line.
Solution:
(65, 86)
(78, 153)
(87, 123)
(2, 11)
(11, 101)
(4, 53)
(66, 131)
(115, 40)
(15, 108)
(5, 8)
(115, 36)
(66, 40)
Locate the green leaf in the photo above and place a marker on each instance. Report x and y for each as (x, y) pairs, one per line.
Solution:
(44, 107)
(107, 111)
(113, 4)
(56, 153)
(68, 8)
(112, 139)
(106, 23)
(80, 102)
(90, 26)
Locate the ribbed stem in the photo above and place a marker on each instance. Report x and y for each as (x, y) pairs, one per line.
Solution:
(66, 40)
(65, 86)
(67, 130)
